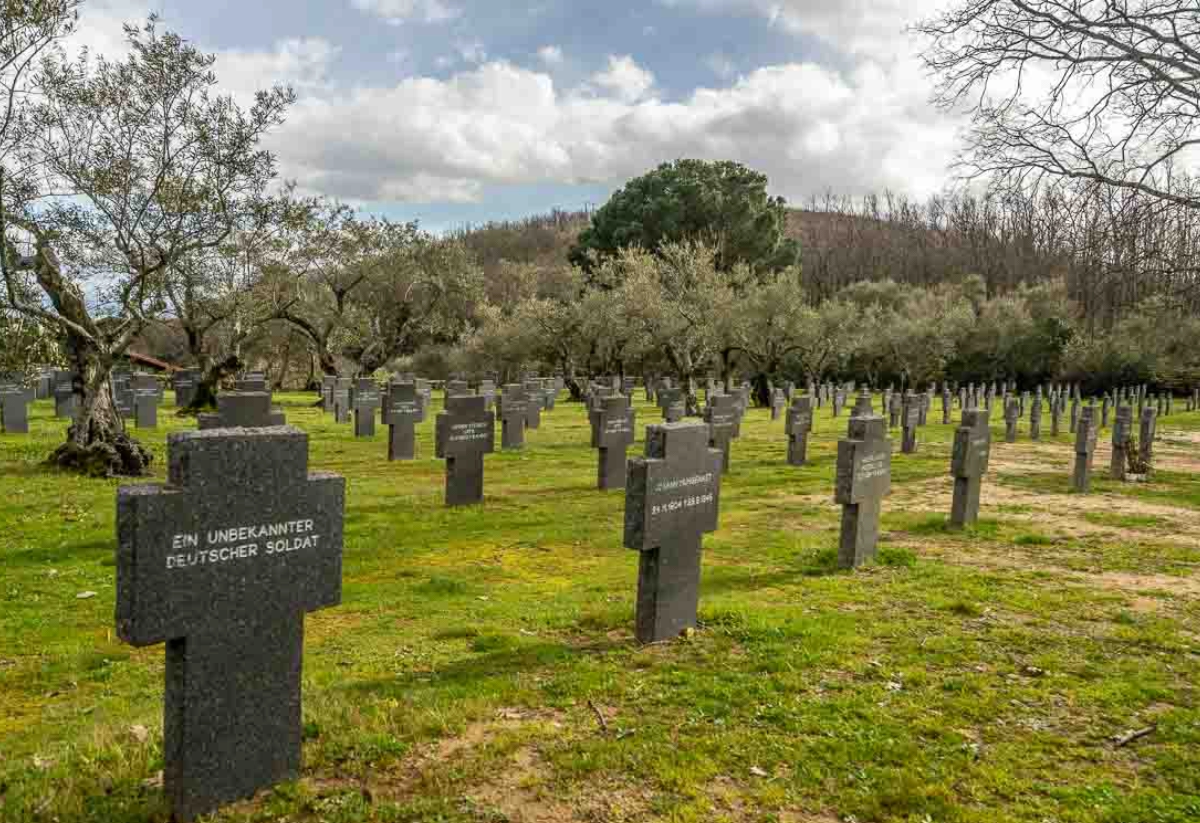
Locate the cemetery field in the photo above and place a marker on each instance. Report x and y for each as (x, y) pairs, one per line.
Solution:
(1042, 666)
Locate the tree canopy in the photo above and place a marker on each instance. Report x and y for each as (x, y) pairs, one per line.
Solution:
(721, 204)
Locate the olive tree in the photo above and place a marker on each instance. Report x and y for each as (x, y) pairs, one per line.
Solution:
(139, 164)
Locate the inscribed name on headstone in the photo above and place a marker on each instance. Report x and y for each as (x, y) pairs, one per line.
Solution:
(221, 565)
(672, 498)
(465, 432)
(366, 401)
(613, 430)
(864, 477)
(968, 464)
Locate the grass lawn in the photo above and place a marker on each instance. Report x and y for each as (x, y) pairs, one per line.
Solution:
(482, 666)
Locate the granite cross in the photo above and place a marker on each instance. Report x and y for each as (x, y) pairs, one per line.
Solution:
(14, 409)
(672, 498)
(721, 415)
(672, 403)
(1085, 447)
(1149, 425)
(911, 420)
(1121, 434)
(366, 401)
(221, 565)
(465, 432)
(513, 408)
(245, 410)
(798, 425)
(968, 464)
(613, 430)
(401, 413)
(864, 476)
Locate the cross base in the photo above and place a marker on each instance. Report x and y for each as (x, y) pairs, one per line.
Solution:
(964, 510)
(364, 422)
(668, 591)
(402, 444)
(1083, 470)
(859, 542)
(797, 450)
(464, 480)
(231, 722)
(610, 469)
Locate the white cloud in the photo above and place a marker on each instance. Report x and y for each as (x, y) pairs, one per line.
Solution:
(396, 12)
(625, 78)
(550, 55)
(302, 63)
(721, 64)
(807, 127)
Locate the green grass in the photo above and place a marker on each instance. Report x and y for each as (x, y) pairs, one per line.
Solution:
(462, 676)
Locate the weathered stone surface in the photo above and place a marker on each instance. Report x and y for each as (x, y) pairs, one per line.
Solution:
(913, 405)
(1085, 447)
(14, 409)
(672, 498)
(1121, 434)
(342, 392)
(864, 477)
(465, 432)
(968, 465)
(185, 382)
(673, 403)
(366, 400)
(145, 406)
(221, 565)
(722, 416)
(1149, 430)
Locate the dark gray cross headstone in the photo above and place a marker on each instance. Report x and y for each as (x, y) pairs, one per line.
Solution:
(252, 382)
(1121, 434)
(910, 422)
(455, 388)
(401, 413)
(145, 409)
(1149, 426)
(366, 401)
(798, 425)
(924, 401)
(66, 402)
(1085, 447)
(721, 415)
(1012, 413)
(514, 413)
(1035, 417)
(672, 497)
(673, 404)
(221, 565)
(1074, 414)
(341, 400)
(1056, 410)
(1104, 405)
(328, 384)
(968, 464)
(864, 477)
(246, 410)
(895, 408)
(534, 402)
(947, 404)
(862, 405)
(14, 409)
(465, 432)
(778, 402)
(839, 400)
(613, 430)
(185, 383)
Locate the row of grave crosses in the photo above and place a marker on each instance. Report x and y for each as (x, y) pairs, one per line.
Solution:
(222, 563)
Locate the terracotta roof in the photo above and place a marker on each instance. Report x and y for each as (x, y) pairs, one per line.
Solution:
(147, 360)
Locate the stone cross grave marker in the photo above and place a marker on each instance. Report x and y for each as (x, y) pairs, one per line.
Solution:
(14, 409)
(910, 422)
(1035, 416)
(895, 408)
(864, 477)
(1085, 447)
(1121, 433)
(341, 400)
(1012, 413)
(221, 565)
(968, 464)
(672, 497)
(924, 401)
(465, 432)
(778, 402)
(862, 404)
(721, 414)
(328, 384)
(401, 413)
(613, 430)
(1104, 406)
(673, 404)
(145, 408)
(185, 382)
(947, 404)
(512, 406)
(252, 382)
(1056, 410)
(66, 402)
(1074, 419)
(366, 401)
(535, 399)
(246, 410)
(1149, 427)
(798, 425)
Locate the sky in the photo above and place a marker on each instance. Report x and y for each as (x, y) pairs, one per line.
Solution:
(455, 112)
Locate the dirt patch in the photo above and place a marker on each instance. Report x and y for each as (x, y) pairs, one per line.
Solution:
(1182, 586)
